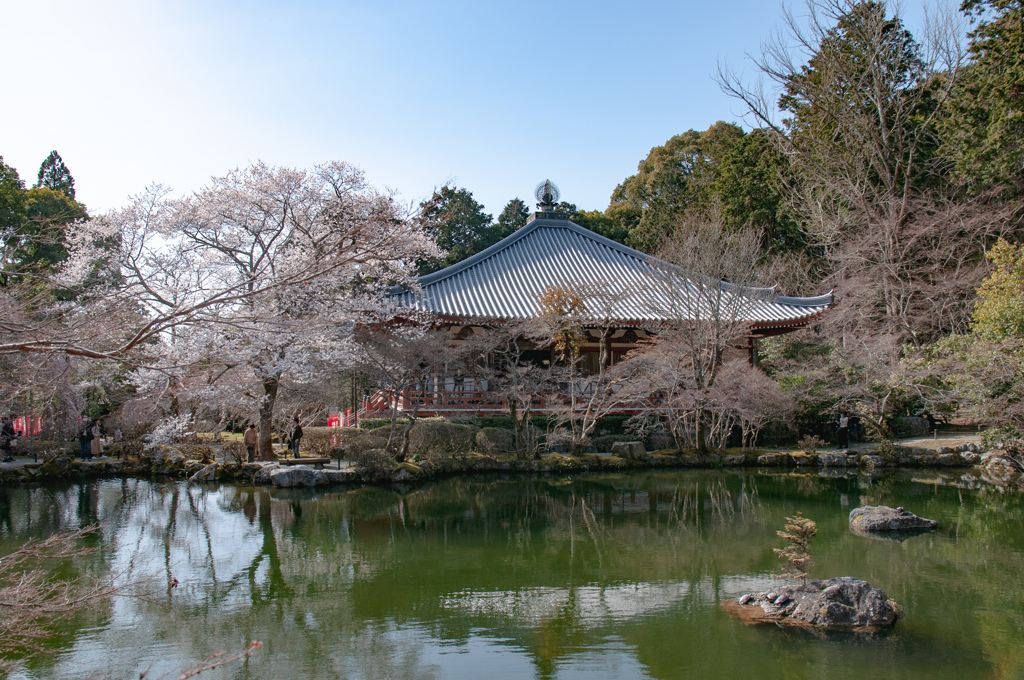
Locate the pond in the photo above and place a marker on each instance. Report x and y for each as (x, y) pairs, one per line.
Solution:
(597, 576)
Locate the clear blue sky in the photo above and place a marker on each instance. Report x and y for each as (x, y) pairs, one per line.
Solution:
(492, 96)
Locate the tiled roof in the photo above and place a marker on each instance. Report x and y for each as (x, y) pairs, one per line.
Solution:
(505, 281)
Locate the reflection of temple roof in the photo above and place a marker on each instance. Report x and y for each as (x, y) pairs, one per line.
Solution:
(595, 605)
(505, 281)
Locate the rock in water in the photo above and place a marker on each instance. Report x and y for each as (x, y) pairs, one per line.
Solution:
(298, 476)
(843, 603)
(884, 518)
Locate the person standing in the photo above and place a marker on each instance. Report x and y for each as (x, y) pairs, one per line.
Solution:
(7, 435)
(296, 437)
(85, 439)
(854, 425)
(844, 432)
(250, 438)
(96, 443)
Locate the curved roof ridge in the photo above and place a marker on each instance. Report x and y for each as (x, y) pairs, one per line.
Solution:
(501, 280)
(484, 254)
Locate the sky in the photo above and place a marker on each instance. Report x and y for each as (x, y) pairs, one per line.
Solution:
(491, 96)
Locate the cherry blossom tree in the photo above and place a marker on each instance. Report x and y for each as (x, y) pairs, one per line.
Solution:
(264, 268)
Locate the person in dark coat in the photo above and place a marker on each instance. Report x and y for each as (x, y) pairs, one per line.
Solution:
(85, 440)
(844, 432)
(296, 437)
(7, 435)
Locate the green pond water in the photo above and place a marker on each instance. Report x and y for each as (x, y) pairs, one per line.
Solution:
(597, 576)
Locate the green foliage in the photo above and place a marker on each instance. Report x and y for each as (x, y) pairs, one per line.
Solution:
(377, 423)
(505, 423)
(879, 57)
(612, 425)
(513, 216)
(1007, 437)
(889, 452)
(722, 167)
(999, 313)
(984, 129)
(796, 557)
(54, 175)
(48, 212)
(12, 199)
(457, 223)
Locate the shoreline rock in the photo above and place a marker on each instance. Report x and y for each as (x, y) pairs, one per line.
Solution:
(872, 518)
(837, 604)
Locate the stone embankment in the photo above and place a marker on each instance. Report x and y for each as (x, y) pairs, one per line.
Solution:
(170, 463)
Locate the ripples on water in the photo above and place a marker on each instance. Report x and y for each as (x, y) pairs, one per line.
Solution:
(600, 576)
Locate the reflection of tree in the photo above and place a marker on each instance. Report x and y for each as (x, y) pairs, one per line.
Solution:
(274, 586)
(370, 581)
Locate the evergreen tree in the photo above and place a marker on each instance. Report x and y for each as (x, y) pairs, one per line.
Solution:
(984, 131)
(53, 174)
(513, 216)
(12, 199)
(738, 173)
(457, 222)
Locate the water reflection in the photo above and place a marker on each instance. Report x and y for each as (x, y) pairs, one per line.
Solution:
(613, 576)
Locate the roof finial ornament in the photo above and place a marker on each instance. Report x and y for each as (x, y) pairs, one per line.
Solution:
(547, 195)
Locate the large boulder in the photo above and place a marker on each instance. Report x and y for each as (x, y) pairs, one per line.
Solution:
(884, 518)
(629, 450)
(298, 476)
(832, 459)
(208, 473)
(843, 603)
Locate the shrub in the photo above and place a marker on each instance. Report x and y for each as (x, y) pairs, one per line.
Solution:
(441, 436)
(889, 452)
(494, 422)
(375, 423)
(492, 440)
(323, 442)
(235, 451)
(810, 444)
(374, 463)
(604, 443)
(611, 425)
(44, 449)
(125, 448)
(195, 449)
(366, 441)
(1007, 437)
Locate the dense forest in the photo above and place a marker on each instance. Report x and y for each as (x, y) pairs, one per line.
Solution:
(883, 166)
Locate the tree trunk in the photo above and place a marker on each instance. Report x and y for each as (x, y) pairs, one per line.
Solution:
(702, 434)
(267, 419)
